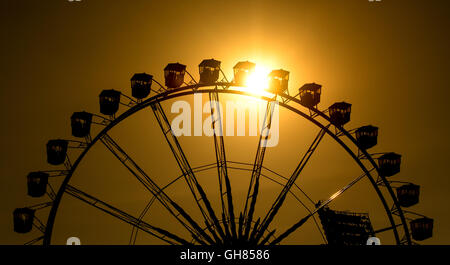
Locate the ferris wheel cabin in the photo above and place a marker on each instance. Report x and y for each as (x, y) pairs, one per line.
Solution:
(109, 101)
(241, 71)
(37, 184)
(340, 113)
(389, 164)
(408, 195)
(421, 228)
(310, 94)
(278, 81)
(23, 220)
(56, 151)
(174, 75)
(140, 85)
(367, 136)
(81, 123)
(209, 71)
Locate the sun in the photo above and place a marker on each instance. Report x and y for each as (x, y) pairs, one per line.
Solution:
(258, 81)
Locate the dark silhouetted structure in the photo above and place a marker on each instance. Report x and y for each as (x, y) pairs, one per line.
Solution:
(81, 124)
(278, 81)
(209, 71)
(340, 113)
(56, 151)
(23, 220)
(225, 226)
(389, 164)
(408, 195)
(310, 94)
(140, 85)
(345, 228)
(421, 228)
(241, 71)
(37, 184)
(109, 101)
(367, 136)
(174, 75)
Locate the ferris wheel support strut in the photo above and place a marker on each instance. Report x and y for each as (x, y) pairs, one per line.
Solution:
(194, 186)
(151, 186)
(222, 170)
(257, 167)
(282, 196)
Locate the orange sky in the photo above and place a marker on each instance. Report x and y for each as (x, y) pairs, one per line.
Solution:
(390, 59)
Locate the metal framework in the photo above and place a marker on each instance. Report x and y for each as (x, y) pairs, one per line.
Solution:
(196, 189)
(173, 208)
(109, 209)
(222, 170)
(225, 229)
(282, 196)
(253, 189)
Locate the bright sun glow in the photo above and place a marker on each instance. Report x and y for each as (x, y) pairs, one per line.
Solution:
(258, 81)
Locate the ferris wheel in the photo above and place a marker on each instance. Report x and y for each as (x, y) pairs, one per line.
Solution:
(221, 220)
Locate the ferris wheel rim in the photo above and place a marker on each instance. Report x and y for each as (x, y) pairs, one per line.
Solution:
(193, 89)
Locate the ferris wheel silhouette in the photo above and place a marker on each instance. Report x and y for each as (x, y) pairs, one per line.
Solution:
(226, 223)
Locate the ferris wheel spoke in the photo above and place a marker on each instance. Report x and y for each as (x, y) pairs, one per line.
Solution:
(34, 241)
(252, 238)
(267, 238)
(282, 196)
(323, 204)
(134, 230)
(39, 225)
(160, 233)
(174, 209)
(194, 186)
(387, 228)
(222, 169)
(256, 172)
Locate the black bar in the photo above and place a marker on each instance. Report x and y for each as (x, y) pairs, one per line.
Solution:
(275, 255)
